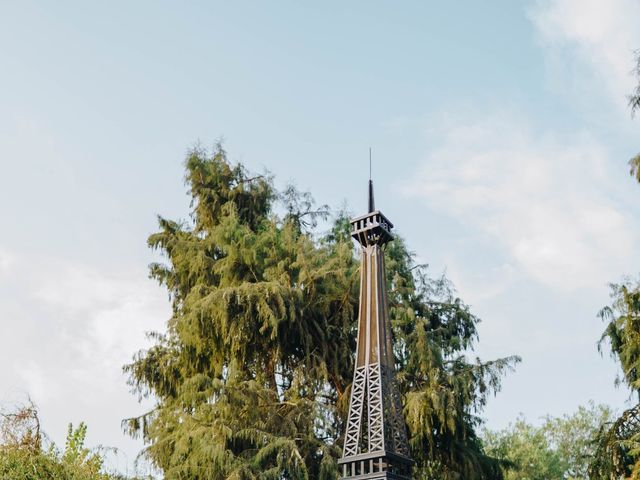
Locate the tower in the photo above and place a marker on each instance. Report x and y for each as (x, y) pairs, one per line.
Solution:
(375, 445)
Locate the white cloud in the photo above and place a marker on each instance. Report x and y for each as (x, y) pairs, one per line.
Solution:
(72, 328)
(548, 202)
(35, 382)
(6, 261)
(590, 41)
(103, 314)
(545, 218)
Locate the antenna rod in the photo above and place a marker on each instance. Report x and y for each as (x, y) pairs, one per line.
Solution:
(372, 206)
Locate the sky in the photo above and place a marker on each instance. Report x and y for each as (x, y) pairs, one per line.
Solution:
(500, 135)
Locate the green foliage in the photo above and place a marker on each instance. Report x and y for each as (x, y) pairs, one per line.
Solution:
(259, 331)
(23, 458)
(619, 442)
(623, 331)
(527, 452)
(252, 377)
(560, 448)
(75, 453)
(574, 437)
(634, 163)
(618, 453)
(618, 447)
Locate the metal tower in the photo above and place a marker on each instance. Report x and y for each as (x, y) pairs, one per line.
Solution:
(375, 445)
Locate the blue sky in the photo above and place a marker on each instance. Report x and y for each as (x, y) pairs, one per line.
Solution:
(499, 131)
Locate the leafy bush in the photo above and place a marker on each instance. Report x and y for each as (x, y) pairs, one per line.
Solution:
(23, 456)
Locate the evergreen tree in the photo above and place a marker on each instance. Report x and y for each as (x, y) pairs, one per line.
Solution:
(618, 453)
(252, 377)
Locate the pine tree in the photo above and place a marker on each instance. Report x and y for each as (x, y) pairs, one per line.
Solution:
(618, 453)
(252, 377)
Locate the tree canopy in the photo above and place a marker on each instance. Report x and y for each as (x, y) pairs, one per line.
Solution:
(560, 448)
(618, 453)
(251, 378)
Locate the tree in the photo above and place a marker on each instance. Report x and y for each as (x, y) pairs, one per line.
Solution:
(573, 437)
(252, 376)
(561, 448)
(526, 452)
(23, 457)
(618, 453)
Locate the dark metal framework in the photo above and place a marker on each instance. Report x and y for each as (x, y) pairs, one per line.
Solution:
(375, 445)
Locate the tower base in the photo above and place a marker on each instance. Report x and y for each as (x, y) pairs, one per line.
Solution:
(375, 466)
(378, 476)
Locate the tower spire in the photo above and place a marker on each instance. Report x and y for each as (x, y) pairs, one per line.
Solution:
(375, 445)
(372, 205)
